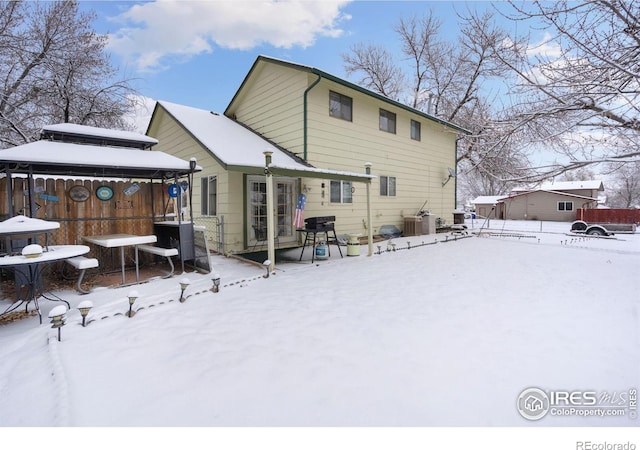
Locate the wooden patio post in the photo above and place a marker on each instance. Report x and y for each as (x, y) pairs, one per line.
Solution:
(271, 252)
(367, 166)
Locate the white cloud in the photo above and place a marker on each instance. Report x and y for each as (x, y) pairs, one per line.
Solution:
(154, 34)
(546, 48)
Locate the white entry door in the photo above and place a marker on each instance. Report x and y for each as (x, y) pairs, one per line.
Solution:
(284, 191)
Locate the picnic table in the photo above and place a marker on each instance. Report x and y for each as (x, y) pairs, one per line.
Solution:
(121, 241)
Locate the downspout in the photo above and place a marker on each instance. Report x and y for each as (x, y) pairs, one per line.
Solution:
(192, 168)
(304, 125)
(455, 182)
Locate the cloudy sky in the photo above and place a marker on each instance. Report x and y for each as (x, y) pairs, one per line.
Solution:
(197, 53)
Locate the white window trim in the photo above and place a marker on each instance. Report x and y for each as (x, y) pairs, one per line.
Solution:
(564, 203)
(387, 179)
(205, 183)
(342, 183)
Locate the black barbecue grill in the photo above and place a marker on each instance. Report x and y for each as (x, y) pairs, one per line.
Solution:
(318, 225)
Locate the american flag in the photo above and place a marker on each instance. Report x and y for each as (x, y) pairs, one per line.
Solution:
(299, 217)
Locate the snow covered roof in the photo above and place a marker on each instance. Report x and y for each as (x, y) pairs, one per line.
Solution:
(565, 186)
(487, 199)
(239, 148)
(493, 199)
(69, 132)
(63, 158)
(573, 185)
(563, 193)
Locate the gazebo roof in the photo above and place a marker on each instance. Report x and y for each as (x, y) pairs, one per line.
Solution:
(87, 160)
(83, 134)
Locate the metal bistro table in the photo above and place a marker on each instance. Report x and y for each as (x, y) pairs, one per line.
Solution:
(32, 276)
(122, 241)
(24, 228)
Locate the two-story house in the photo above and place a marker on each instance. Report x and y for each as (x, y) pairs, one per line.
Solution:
(324, 129)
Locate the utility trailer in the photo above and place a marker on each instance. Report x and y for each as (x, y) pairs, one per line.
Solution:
(602, 229)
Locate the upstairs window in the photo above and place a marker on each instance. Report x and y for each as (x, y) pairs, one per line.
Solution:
(387, 186)
(340, 106)
(415, 130)
(387, 121)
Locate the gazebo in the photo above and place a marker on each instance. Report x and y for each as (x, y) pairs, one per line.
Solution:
(94, 177)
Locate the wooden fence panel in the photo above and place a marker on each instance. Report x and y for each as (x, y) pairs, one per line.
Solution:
(614, 215)
(81, 213)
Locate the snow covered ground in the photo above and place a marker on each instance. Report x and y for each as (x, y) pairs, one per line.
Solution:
(448, 333)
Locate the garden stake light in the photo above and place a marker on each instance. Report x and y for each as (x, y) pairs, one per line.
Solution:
(133, 296)
(266, 264)
(84, 308)
(57, 318)
(184, 284)
(216, 282)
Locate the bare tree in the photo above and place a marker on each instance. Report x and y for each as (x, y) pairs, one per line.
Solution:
(449, 80)
(582, 99)
(582, 174)
(54, 68)
(380, 72)
(624, 189)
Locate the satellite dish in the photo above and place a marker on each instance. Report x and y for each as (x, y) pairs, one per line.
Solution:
(452, 174)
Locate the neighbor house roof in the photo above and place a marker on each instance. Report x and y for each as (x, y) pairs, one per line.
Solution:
(493, 199)
(487, 199)
(565, 186)
(265, 59)
(564, 194)
(238, 148)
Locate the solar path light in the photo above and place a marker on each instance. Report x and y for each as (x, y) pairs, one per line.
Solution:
(184, 284)
(133, 296)
(84, 308)
(215, 278)
(57, 316)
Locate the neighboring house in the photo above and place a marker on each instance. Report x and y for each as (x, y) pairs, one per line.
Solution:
(551, 201)
(489, 206)
(324, 129)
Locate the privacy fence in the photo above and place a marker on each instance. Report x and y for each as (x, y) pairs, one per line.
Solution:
(101, 207)
(90, 207)
(609, 215)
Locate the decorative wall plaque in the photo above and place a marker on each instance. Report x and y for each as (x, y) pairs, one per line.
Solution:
(104, 193)
(79, 193)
